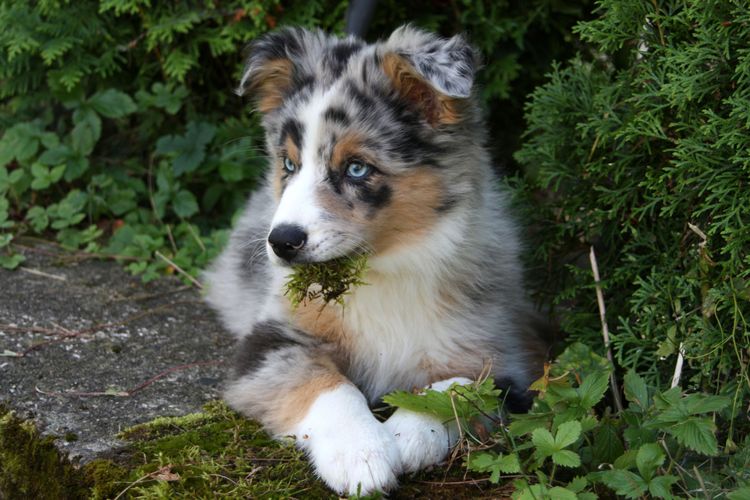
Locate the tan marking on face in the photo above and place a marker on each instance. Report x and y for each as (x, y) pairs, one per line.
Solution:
(271, 83)
(294, 405)
(436, 107)
(410, 213)
(349, 146)
(290, 150)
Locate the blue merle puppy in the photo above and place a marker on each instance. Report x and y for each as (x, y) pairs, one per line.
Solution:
(376, 149)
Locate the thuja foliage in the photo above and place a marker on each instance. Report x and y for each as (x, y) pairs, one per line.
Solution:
(640, 147)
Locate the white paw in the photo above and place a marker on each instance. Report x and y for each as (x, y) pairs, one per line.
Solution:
(422, 439)
(351, 451)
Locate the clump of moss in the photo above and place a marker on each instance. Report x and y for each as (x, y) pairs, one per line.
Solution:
(31, 466)
(327, 280)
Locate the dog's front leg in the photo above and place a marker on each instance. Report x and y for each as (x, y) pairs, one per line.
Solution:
(289, 382)
(424, 439)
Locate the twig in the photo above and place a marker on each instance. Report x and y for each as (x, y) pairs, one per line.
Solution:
(129, 392)
(605, 330)
(37, 272)
(179, 269)
(678, 367)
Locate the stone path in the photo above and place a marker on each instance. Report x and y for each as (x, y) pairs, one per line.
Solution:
(69, 327)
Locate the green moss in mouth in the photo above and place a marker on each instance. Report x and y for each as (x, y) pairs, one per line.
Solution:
(329, 280)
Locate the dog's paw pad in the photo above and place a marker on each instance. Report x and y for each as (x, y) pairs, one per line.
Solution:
(422, 439)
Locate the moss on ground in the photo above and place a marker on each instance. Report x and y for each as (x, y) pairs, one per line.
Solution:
(216, 453)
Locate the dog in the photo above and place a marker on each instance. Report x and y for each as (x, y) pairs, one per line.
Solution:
(374, 149)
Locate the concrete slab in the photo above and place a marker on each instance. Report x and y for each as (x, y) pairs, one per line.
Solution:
(81, 342)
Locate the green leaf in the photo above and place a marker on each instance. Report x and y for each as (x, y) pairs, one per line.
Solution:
(20, 142)
(704, 403)
(661, 486)
(635, 389)
(592, 388)
(112, 103)
(697, 434)
(495, 464)
(184, 204)
(567, 434)
(56, 155)
(56, 173)
(189, 150)
(623, 482)
(607, 444)
(231, 172)
(11, 261)
(649, 458)
(38, 218)
(544, 442)
(577, 484)
(87, 130)
(566, 458)
(558, 492)
(75, 167)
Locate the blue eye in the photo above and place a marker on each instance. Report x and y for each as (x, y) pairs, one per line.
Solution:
(289, 165)
(357, 170)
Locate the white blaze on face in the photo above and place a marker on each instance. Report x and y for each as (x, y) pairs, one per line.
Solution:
(298, 205)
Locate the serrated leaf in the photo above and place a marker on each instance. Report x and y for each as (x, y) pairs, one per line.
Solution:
(40, 171)
(592, 388)
(567, 434)
(623, 482)
(20, 141)
(636, 390)
(697, 434)
(577, 484)
(86, 132)
(607, 445)
(558, 492)
(56, 173)
(704, 403)
(544, 442)
(650, 457)
(566, 458)
(112, 103)
(56, 155)
(184, 204)
(75, 167)
(661, 486)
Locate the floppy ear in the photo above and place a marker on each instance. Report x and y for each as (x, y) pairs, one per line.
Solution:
(434, 74)
(274, 66)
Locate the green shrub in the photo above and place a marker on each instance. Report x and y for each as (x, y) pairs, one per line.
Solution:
(642, 149)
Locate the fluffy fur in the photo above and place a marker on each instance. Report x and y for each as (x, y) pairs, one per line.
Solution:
(444, 294)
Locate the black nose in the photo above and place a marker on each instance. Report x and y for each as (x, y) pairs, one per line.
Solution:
(286, 240)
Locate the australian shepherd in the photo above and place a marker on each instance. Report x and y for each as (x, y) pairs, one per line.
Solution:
(376, 149)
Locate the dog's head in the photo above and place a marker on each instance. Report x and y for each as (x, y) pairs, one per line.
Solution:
(370, 145)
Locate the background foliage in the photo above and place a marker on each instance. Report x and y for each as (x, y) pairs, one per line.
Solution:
(120, 136)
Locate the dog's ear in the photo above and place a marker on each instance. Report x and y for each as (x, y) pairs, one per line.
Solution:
(434, 74)
(274, 66)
